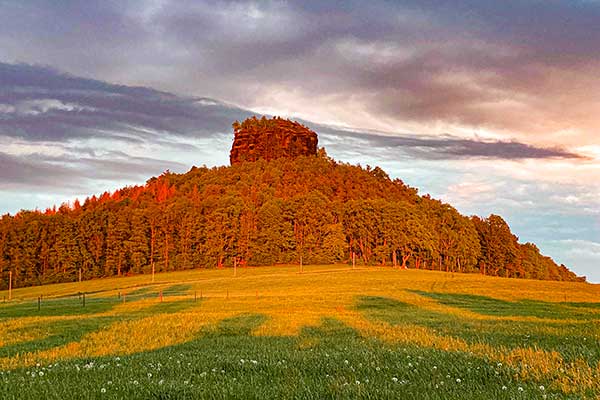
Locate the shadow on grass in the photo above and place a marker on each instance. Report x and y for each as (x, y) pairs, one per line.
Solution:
(572, 341)
(62, 332)
(522, 308)
(58, 307)
(177, 290)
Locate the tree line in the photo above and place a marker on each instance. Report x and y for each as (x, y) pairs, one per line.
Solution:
(261, 213)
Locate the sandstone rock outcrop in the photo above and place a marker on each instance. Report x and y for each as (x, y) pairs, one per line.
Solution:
(269, 139)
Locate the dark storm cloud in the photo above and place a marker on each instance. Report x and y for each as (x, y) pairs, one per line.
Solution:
(446, 147)
(40, 103)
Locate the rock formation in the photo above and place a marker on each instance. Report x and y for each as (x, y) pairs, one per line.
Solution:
(269, 139)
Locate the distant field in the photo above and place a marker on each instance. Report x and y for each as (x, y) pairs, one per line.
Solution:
(330, 332)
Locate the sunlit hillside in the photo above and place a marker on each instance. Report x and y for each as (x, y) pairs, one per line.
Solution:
(328, 332)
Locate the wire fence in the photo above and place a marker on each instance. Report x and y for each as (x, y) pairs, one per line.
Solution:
(86, 303)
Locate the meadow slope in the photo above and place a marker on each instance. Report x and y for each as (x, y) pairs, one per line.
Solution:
(330, 332)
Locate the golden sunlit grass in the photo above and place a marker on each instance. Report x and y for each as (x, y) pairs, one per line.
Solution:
(444, 313)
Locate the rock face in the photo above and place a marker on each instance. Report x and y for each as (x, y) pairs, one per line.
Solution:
(269, 139)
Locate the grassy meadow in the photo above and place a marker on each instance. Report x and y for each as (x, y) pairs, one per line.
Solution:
(330, 332)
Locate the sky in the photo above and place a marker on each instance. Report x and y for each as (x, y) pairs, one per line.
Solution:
(492, 106)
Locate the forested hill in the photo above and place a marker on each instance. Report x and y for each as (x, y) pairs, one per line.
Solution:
(259, 213)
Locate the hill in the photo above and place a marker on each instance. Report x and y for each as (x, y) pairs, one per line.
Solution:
(293, 208)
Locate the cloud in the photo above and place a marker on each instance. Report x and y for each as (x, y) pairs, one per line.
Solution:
(41, 103)
(450, 147)
(583, 253)
(513, 70)
(74, 172)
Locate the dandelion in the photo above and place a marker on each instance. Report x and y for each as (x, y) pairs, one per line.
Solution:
(346, 362)
(109, 383)
(149, 375)
(358, 382)
(520, 389)
(186, 382)
(542, 388)
(135, 382)
(504, 387)
(458, 380)
(103, 390)
(394, 379)
(161, 382)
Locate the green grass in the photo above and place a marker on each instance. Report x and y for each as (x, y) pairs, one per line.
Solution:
(328, 362)
(572, 341)
(368, 334)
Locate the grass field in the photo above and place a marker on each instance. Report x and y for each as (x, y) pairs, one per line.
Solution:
(330, 332)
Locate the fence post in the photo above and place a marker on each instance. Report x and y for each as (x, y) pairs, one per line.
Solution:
(84, 299)
(195, 296)
(9, 285)
(39, 302)
(161, 295)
